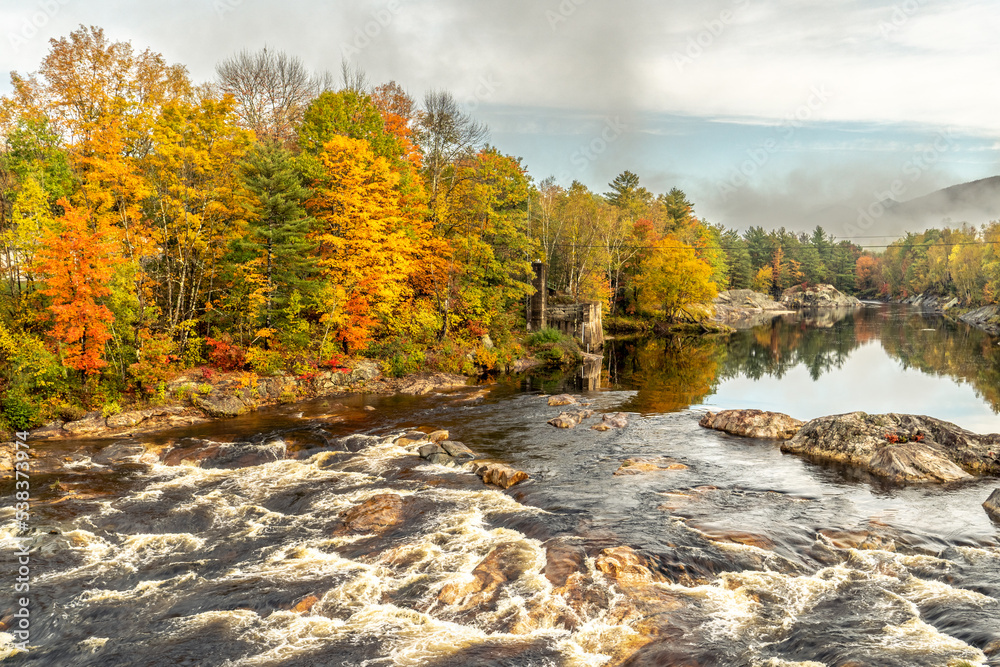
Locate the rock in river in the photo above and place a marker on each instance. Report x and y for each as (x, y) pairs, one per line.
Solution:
(992, 504)
(570, 419)
(637, 466)
(499, 474)
(904, 448)
(562, 399)
(753, 423)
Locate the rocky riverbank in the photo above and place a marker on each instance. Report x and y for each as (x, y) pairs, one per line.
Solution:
(746, 308)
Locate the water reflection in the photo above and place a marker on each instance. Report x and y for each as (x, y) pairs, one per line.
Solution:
(878, 359)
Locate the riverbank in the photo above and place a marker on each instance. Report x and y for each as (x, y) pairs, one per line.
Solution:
(985, 318)
(195, 399)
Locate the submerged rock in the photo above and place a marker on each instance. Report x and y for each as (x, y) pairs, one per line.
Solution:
(375, 515)
(918, 448)
(225, 455)
(992, 504)
(752, 423)
(124, 452)
(504, 564)
(610, 421)
(570, 419)
(499, 474)
(637, 466)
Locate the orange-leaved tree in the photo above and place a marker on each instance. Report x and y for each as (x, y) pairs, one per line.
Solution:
(76, 264)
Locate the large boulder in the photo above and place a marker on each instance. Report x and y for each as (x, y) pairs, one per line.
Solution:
(221, 406)
(744, 306)
(992, 504)
(377, 514)
(903, 448)
(425, 384)
(752, 423)
(226, 455)
(817, 296)
(986, 318)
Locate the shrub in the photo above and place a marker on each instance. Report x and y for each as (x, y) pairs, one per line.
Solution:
(224, 355)
(544, 336)
(153, 367)
(265, 363)
(19, 412)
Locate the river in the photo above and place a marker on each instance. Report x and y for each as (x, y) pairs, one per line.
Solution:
(749, 556)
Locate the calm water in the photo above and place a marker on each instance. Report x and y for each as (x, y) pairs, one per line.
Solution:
(769, 559)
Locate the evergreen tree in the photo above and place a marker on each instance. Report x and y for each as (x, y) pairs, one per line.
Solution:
(279, 226)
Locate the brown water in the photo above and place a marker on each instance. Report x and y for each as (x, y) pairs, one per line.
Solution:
(762, 558)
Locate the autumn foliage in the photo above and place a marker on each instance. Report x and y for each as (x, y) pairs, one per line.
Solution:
(75, 262)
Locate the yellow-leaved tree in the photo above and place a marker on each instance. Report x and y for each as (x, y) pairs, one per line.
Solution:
(674, 277)
(366, 254)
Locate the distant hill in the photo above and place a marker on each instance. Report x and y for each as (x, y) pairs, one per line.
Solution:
(975, 203)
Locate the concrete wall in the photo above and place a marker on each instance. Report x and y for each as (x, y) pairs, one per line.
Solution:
(579, 320)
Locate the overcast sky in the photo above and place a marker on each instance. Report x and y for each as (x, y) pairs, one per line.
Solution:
(763, 111)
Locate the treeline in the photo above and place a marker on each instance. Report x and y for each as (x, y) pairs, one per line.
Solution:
(268, 221)
(963, 263)
(274, 221)
(639, 251)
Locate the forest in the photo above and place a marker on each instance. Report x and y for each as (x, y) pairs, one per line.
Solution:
(276, 220)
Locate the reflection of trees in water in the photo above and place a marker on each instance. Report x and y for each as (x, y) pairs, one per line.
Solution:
(673, 373)
(957, 351)
(670, 373)
(820, 345)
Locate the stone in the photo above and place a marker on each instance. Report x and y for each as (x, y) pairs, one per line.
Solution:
(209, 454)
(430, 449)
(857, 437)
(570, 419)
(136, 417)
(562, 399)
(637, 466)
(375, 515)
(305, 604)
(425, 384)
(817, 296)
(123, 452)
(458, 450)
(442, 460)
(499, 474)
(50, 430)
(616, 420)
(625, 567)
(992, 504)
(437, 436)
(365, 371)
(986, 318)
(410, 438)
(221, 406)
(752, 423)
(93, 423)
(915, 462)
(601, 427)
(369, 408)
(504, 564)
